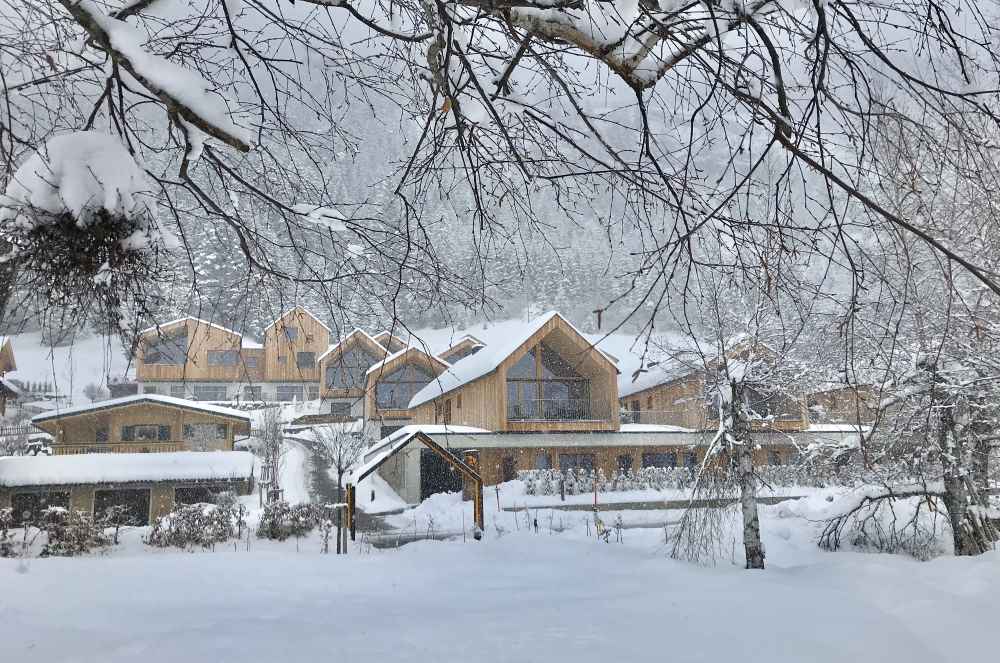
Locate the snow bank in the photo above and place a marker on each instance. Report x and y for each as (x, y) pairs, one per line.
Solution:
(123, 468)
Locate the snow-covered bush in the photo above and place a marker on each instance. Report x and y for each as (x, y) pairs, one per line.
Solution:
(70, 533)
(281, 520)
(194, 525)
(6, 538)
(79, 222)
(874, 520)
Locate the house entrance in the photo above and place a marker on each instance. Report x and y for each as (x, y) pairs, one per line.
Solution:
(436, 475)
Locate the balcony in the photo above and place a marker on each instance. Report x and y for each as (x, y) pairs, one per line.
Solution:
(568, 409)
(118, 447)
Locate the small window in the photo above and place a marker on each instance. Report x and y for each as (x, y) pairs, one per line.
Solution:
(145, 433)
(543, 461)
(305, 359)
(289, 392)
(102, 434)
(177, 390)
(250, 362)
(576, 461)
(625, 463)
(291, 333)
(340, 409)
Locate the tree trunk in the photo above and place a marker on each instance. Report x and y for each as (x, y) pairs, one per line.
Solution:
(981, 467)
(972, 533)
(740, 430)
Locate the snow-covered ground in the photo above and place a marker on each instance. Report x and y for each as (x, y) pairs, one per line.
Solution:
(518, 597)
(294, 473)
(69, 368)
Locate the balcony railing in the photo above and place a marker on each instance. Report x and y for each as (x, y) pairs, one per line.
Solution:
(118, 447)
(570, 409)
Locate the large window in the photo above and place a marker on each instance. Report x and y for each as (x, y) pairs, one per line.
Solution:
(543, 385)
(305, 359)
(289, 392)
(170, 350)
(29, 507)
(223, 357)
(146, 433)
(177, 390)
(204, 437)
(348, 370)
(394, 391)
(209, 392)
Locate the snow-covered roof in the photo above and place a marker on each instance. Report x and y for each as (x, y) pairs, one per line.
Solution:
(347, 338)
(144, 398)
(123, 468)
(486, 361)
(377, 366)
(10, 386)
(653, 376)
(200, 321)
(298, 307)
(654, 428)
(392, 443)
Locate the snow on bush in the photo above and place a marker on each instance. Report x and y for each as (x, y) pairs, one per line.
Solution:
(281, 520)
(70, 533)
(79, 218)
(195, 525)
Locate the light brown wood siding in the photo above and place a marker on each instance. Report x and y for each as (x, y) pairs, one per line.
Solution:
(202, 338)
(310, 336)
(78, 434)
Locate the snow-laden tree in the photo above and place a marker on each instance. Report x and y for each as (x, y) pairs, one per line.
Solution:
(668, 117)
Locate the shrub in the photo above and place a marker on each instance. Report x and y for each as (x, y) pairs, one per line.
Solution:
(193, 525)
(281, 520)
(70, 533)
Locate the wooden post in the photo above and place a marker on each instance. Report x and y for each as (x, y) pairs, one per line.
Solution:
(350, 509)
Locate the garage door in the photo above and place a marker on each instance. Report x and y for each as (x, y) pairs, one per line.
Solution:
(134, 500)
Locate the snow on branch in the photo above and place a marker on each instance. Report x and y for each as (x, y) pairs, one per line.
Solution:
(183, 91)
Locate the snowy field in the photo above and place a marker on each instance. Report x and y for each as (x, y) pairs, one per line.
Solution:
(523, 597)
(517, 596)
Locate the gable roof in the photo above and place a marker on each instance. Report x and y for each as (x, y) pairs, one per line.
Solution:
(389, 359)
(143, 398)
(303, 309)
(466, 341)
(201, 321)
(486, 361)
(386, 339)
(350, 339)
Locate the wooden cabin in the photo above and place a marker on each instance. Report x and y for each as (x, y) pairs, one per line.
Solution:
(391, 384)
(292, 346)
(390, 341)
(344, 368)
(466, 346)
(143, 423)
(145, 485)
(195, 358)
(675, 394)
(548, 378)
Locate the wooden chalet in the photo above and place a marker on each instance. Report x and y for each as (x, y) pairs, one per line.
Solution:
(8, 390)
(390, 341)
(344, 369)
(466, 346)
(391, 384)
(292, 346)
(141, 424)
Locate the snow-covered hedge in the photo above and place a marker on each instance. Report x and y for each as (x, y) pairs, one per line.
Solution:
(191, 525)
(281, 520)
(70, 533)
(547, 482)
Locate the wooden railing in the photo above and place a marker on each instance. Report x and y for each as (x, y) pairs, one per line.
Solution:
(63, 449)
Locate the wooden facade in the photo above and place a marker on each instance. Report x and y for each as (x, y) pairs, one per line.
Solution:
(292, 346)
(205, 348)
(106, 429)
(843, 405)
(7, 362)
(483, 402)
(412, 356)
(356, 339)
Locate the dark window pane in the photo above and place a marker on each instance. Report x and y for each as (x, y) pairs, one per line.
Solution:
(668, 459)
